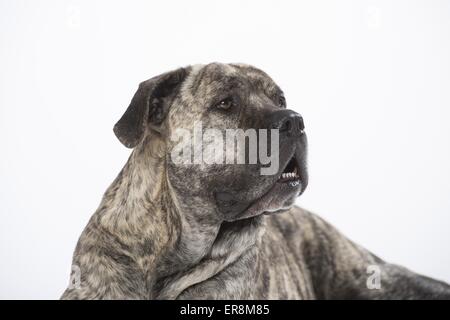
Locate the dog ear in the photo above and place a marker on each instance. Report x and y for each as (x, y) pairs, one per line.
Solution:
(149, 106)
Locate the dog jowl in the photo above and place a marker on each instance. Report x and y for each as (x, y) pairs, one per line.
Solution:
(204, 206)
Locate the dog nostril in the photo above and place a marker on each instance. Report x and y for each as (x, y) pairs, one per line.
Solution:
(286, 126)
(301, 124)
(293, 125)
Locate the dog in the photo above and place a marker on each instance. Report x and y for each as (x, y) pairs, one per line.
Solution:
(166, 230)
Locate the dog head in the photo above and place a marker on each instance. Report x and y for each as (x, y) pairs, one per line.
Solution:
(202, 113)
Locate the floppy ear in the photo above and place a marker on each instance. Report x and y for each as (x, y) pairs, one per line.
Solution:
(150, 105)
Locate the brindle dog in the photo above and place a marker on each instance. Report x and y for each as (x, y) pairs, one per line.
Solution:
(170, 231)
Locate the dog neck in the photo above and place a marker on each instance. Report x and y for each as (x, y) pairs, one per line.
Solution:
(166, 239)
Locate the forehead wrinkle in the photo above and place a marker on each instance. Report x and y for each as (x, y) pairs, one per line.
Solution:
(264, 83)
(258, 78)
(229, 82)
(222, 83)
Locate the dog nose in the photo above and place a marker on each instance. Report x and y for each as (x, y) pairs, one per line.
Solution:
(287, 121)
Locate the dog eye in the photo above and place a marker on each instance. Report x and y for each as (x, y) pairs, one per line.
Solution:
(282, 101)
(226, 103)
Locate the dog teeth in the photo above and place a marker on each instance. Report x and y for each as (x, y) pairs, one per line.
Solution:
(288, 175)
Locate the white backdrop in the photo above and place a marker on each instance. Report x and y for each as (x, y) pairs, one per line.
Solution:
(371, 79)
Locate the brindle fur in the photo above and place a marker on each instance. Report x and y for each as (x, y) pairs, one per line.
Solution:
(158, 233)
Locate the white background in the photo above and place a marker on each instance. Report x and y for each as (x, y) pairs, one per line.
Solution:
(371, 79)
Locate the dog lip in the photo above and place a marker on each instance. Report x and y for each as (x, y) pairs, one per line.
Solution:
(291, 172)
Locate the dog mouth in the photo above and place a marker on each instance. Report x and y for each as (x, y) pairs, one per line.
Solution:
(290, 183)
(291, 173)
